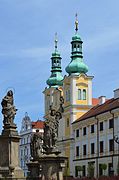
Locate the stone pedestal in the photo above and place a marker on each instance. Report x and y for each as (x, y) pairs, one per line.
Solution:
(9, 153)
(47, 167)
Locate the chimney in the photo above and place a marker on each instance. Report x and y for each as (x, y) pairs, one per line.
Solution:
(102, 99)
(116, 93)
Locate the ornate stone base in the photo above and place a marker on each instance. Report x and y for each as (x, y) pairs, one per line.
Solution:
(48, 167)
(9, 150)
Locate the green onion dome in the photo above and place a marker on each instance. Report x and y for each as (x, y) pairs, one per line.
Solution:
(56, 78)
(77, 64)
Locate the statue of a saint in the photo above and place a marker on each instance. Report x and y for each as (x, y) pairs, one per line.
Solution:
(36, 145)
(8, 108)
(51, 129)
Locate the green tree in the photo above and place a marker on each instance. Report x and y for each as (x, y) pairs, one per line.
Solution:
(90, 170)
(104, 167)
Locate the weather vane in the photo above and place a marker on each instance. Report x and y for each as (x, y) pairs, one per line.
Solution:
(56, 41)
(76, 22)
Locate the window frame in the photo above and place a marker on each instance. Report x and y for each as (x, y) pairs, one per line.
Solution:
(84, 131)
(79, 94)
(77, 133)
(111, 123)
(92, 129)
(101, 126)
(84, 95)
(92, 148)
(84, 150)
(101, 146)
(77, 151)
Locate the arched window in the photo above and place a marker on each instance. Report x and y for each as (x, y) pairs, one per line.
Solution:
(84, 94)
(79, 94)
(74, 47)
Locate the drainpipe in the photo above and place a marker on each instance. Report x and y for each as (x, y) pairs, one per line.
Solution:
(113, 140)
(97, 169)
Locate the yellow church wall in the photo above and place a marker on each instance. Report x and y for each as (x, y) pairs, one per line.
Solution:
(82, 83)
(82, 79)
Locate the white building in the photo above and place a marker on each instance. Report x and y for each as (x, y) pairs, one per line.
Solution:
(27, 129)
(94, 135)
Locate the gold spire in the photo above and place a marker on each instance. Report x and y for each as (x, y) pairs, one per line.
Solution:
(76, 23)
(56, 41)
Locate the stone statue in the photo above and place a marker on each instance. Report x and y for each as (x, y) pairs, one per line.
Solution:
(51, 129)
(8, 108)
(36, 145)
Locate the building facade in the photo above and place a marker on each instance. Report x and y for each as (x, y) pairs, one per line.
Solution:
(27, 129)
(94, 135)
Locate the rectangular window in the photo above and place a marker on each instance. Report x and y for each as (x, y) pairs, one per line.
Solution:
(79, 94)
(100, 170)
(84, 149)
(77, 132)
(101, 146)
(77, 150)
(101, 126)
(84, 171)
(111, 145)
(92, 148)
(111, 123)
(84, 131)
(92, 128)
(110, 166)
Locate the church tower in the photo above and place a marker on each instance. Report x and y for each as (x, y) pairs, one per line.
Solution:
(77, 90)
(55, 81)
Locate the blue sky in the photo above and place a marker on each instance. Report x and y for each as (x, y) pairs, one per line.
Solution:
(27, 29)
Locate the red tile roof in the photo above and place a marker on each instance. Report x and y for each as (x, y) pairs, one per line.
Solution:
(38, 124)
(99, 109)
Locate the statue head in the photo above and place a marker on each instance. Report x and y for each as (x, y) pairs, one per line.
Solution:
(10, 93)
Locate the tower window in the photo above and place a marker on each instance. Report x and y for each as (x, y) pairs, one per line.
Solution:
(79, 94)
(84, 94)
